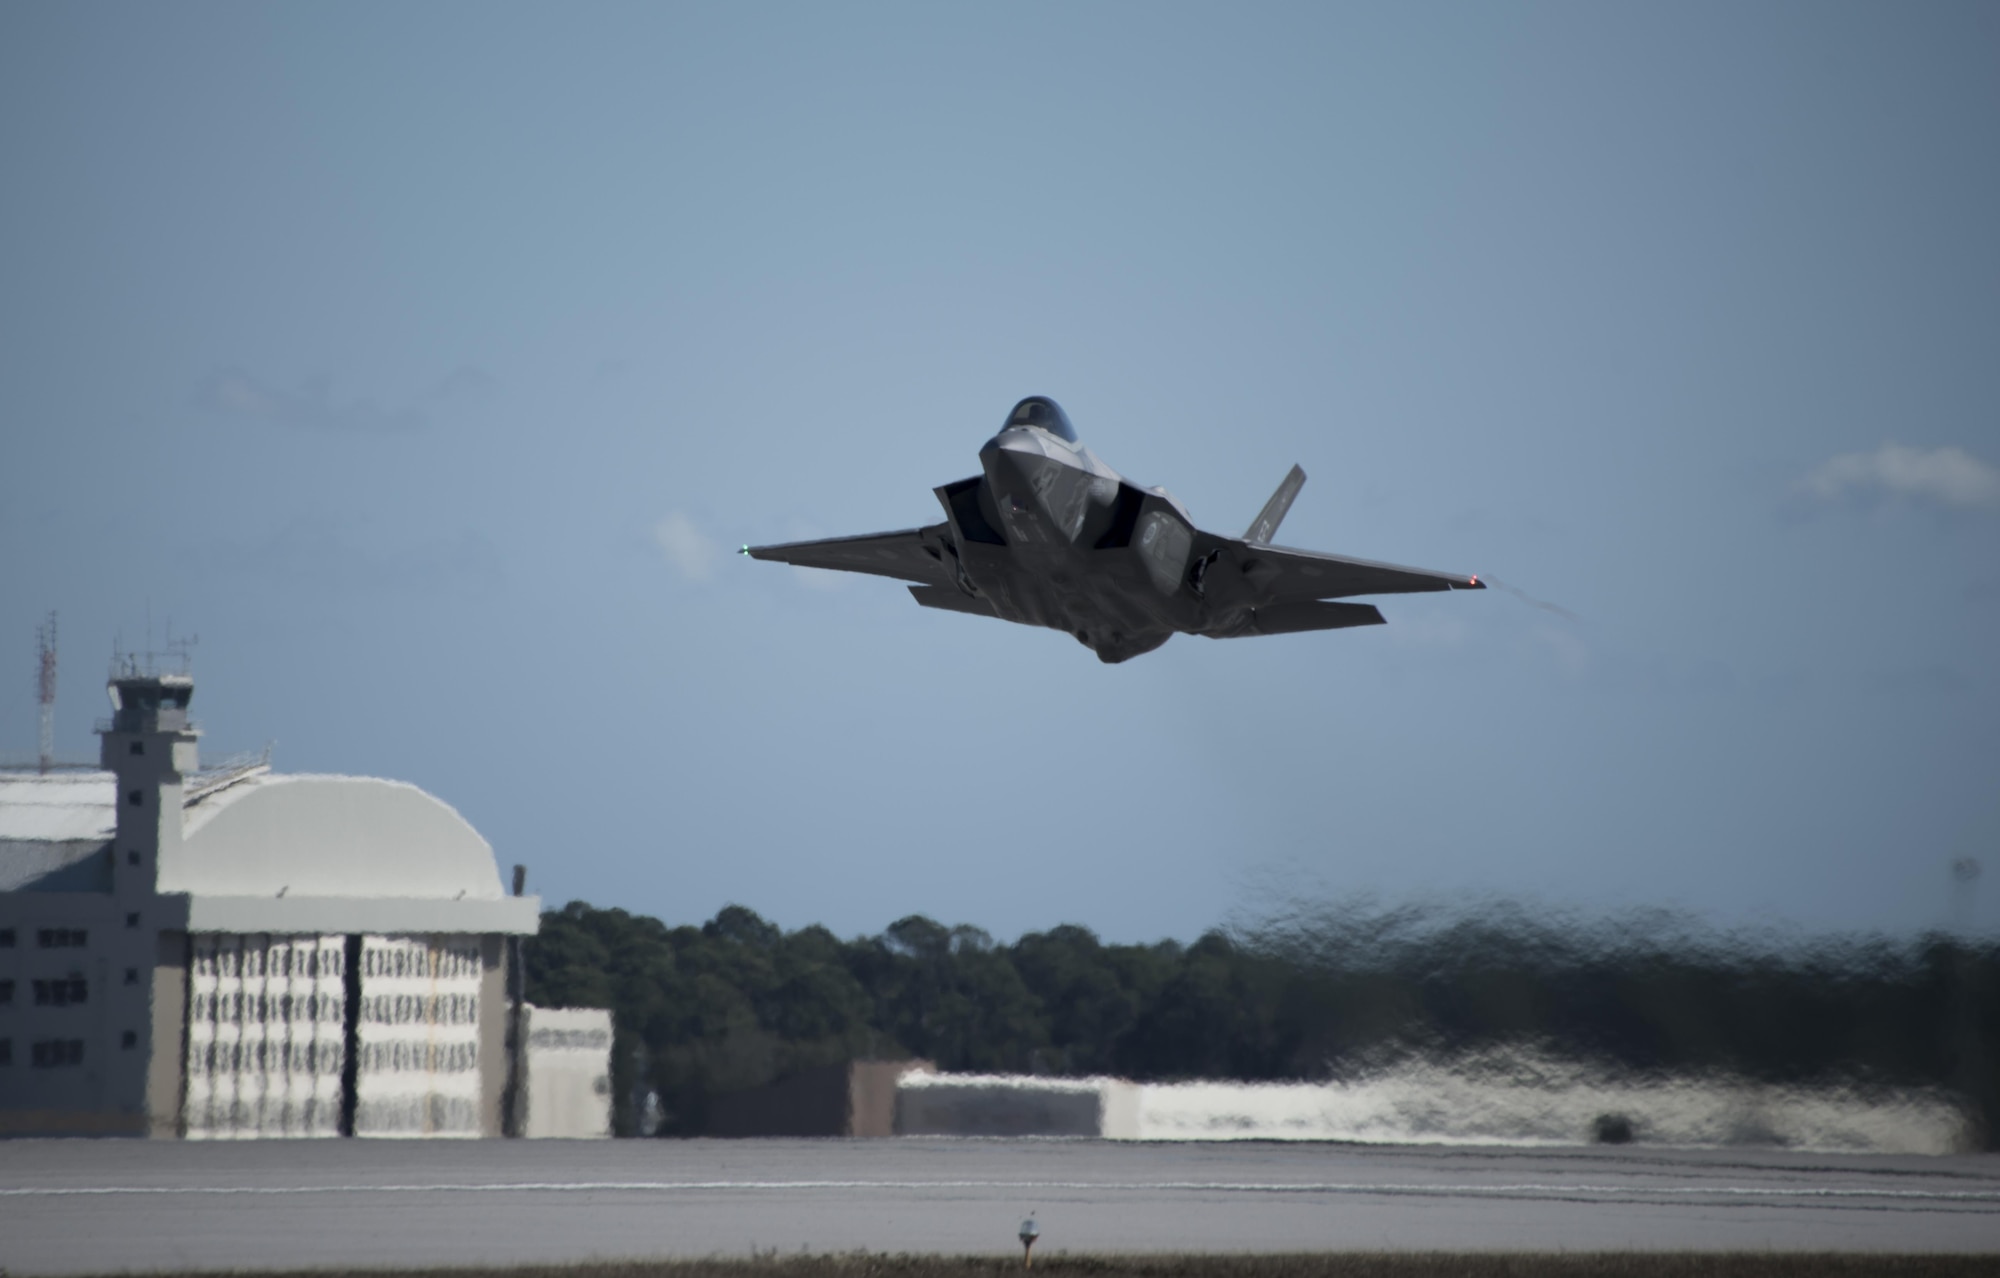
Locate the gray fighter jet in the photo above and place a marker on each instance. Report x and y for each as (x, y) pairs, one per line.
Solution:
(1048, 535)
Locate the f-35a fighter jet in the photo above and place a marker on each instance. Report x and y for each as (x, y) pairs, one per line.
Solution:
(1048, 535)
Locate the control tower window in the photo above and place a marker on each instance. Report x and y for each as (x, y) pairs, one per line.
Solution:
(1037, 410)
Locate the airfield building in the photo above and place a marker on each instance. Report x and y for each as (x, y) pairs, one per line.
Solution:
(565, 1090)
(239, 953)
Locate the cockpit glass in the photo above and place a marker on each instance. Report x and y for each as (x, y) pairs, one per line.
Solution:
(1045, 413)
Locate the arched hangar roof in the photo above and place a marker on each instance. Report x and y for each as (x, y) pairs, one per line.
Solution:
(328, 836)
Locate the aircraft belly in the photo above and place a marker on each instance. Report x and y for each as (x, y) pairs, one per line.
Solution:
(990, 571)
(1048, 497)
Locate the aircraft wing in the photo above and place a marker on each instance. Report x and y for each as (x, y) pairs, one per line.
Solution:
(1306, 574)
(912, 554)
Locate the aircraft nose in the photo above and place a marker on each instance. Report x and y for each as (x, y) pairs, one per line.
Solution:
(1009, 445)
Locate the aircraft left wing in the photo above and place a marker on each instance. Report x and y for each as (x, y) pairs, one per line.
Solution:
(912, 554)
(1306, 574)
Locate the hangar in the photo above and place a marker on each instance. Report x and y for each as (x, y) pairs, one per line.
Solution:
(234, 952)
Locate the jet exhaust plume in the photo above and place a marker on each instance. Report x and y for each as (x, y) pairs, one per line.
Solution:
(1684, 1031)
(1533, 602)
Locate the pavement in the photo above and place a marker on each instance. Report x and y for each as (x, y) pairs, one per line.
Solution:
(70, 1207)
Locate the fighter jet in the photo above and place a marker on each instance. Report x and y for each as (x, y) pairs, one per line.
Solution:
(1048, 535)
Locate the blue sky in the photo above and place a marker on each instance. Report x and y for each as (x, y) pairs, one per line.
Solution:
(426, 362)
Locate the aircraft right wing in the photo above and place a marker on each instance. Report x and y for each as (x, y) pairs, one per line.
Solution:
(911, 554)
(1285, 573)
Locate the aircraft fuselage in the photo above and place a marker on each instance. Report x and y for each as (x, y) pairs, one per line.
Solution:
(1086, 551)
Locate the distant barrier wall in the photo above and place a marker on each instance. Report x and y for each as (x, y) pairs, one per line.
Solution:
(1484, 1100)
(1479, 1102)
(1003, 1105)
(859, 1098)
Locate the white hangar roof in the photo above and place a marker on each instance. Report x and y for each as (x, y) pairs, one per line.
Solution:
(262, 851)
(329, 836)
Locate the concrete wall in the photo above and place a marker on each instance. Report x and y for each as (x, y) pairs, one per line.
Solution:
(69, 1122)
(568, 1072)
(871, 1093)
(166, 1068)
(1005, 1105)
(493, 1010)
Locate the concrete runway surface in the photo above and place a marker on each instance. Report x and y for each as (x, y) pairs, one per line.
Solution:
(99, 1206)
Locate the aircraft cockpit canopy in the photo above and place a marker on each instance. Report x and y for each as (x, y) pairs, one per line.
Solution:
(1038, 410)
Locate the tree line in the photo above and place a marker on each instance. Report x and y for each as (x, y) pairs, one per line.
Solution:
(739, 1002)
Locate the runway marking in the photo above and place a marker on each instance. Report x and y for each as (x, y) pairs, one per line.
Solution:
(1182, 1186)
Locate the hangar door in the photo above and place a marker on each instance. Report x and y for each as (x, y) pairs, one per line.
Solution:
(265, 1031)
(417, 1037)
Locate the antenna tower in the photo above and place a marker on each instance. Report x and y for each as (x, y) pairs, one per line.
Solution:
(45, 689)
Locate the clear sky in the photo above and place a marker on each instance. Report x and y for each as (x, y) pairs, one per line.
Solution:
(426, 361)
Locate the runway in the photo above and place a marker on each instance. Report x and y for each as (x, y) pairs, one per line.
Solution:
(70, 1207)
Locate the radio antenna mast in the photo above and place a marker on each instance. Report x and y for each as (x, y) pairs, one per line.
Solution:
(45, 689)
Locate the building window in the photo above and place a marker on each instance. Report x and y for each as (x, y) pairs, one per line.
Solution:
(131, 976)
(137, 798)
(132, 857)
(6, 1051)
(6, 993)
(6, 938)
(62, 992)
(57, 1053)
(138, 747)
(128, 1039)
(131, 920)
(62, 938)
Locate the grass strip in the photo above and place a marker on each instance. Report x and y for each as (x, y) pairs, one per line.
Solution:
(1238, 1265)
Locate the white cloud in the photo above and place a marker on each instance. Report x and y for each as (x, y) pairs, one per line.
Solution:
(692, 555)
(235, 393)
(1943, 476)
(465, 383)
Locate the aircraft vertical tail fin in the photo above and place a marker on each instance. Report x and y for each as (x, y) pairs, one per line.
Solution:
(1265, 526)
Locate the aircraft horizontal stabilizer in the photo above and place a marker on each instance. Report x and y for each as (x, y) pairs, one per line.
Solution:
(1291, 618)
(951, 599)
